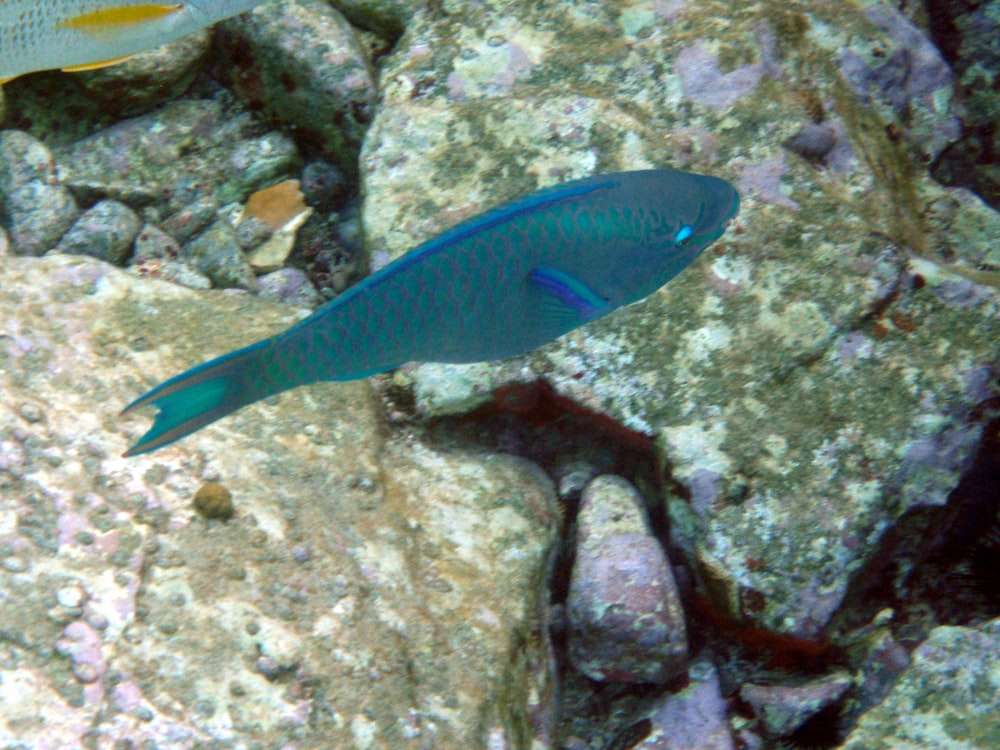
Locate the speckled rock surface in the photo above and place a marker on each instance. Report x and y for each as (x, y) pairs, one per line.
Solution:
(105, 231)
(370, 591)
(157, 255)
(626, 623)
(216, 254)
(291, 286)
(149, 78)
(301, 63)
(37, 209)
(948, 698)
(818, 371)
(189, 149)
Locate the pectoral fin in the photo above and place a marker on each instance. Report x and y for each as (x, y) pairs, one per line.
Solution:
(120, 17)
(569, 301)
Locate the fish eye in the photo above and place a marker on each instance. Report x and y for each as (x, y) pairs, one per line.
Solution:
(683, 235)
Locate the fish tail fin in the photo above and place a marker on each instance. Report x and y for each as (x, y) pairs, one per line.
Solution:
(209, 392)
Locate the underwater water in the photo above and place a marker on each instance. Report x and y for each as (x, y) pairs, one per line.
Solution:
(653, 403)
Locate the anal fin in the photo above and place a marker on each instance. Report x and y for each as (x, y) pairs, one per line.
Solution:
(96, 65)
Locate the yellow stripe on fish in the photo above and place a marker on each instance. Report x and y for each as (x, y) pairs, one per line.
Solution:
(86, 34)
(119, 16)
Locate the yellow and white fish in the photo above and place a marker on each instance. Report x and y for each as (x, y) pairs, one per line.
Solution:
(86, 34)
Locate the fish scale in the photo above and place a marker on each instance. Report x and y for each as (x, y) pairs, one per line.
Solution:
(495, 286)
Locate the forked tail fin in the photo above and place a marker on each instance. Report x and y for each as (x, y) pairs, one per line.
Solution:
(209, 392)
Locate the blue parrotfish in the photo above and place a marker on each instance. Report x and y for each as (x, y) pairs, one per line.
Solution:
(79, 35)
(495, 286)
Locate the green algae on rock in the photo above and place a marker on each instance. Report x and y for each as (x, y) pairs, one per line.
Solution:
(812, 379)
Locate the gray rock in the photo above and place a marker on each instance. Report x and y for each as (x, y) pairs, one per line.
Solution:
(910, 79)
(625, 619)
(949, 696)
(251, 232)
(301, 62)
(150, 78)
(38, 214)
(34, 207)
(157, 255)
(968, 34)
(24, 159)
(192, 218)
(185, 152)
(104, 231)
(216, 254)
(878, 660)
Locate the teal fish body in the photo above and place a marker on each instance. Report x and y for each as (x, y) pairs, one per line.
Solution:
(496, 286)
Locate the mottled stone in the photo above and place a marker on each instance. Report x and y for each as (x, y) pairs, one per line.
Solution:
(38, 214)
(909, 77)
(879, 660)
(149, 78)
(104, 231)
(158, 255)
(625, 618)
(808, 378)
(417, 618)
(301, 63)
(183, 152)
(781, 709)
(949, 696)
(35, 208)
(291, 286)
(967, 33)
(23, 159)
(216, 253)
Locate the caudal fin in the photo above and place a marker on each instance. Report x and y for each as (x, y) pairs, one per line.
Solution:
(206, 393)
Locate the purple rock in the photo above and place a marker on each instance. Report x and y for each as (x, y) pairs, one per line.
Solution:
(625, 618)
(290, 285)
(782, 709)
(694, 718)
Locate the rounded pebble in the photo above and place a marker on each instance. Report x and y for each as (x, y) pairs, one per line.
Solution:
(624, 613)
(213, 500)
(268, 667)
(324, 185)
(70, 596)
(85, 672)
(14, 565)
(104, 231)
